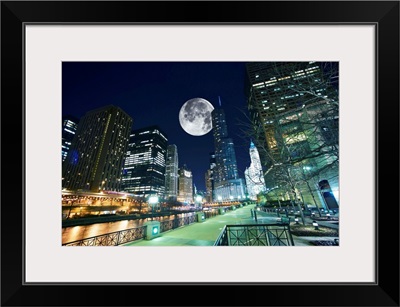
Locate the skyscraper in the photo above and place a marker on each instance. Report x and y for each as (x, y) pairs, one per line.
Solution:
(227, 184)
(209, 178)
(294, 108)
(254, 175)
(144, 170)
(96, 156)
(69, 126)
(171, 173)
(185, 181)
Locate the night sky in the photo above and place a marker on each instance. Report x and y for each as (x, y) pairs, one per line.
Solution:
(152, 93)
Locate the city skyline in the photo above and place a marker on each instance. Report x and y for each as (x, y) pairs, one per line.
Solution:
(152, 93)
(291, 137)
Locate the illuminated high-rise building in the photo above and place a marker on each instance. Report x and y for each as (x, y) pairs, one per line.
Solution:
(171, 173)
(253, 174)
(294, 109)
(227, 183)
(144, 170)
(185, 183)
(69, 126)
(209, 178)
(97, 153)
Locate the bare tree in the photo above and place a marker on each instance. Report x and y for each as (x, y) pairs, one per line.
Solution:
(298, 141)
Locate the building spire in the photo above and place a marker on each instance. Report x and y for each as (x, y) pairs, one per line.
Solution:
(219, 99)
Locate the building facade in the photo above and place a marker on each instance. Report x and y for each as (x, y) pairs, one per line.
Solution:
(227, 183)
(171, 173)
(144, 169)
(294, 109)
(254, 176)
(185, 183)
(97, 153)
(69, 126)
(209, 178)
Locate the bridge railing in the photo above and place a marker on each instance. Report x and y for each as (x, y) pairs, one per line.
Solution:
(255, 235)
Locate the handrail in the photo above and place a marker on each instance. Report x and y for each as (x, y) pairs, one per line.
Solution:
(220, 236)
(255, 234)
(116, 238)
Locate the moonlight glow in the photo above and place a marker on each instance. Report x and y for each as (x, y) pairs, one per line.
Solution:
(195, 116)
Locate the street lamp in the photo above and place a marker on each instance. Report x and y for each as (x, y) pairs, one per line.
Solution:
(153, 200)
(198, 200)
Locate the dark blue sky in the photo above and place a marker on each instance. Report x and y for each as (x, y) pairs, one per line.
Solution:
(152, 93)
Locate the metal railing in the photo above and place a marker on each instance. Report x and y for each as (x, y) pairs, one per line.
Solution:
(255, 235)
(132, 234)
(212, 213)
(178, 222)
(112, 238)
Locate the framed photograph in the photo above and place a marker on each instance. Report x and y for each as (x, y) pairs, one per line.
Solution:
(283, 116)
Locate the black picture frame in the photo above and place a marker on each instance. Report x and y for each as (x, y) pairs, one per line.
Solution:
(383, 14)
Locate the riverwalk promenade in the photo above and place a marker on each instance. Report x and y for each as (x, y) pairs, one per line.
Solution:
(206, 233)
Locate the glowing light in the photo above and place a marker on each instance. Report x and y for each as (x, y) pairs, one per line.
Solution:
(153, 199)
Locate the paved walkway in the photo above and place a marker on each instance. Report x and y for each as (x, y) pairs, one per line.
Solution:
(206, 233)
(200, 234)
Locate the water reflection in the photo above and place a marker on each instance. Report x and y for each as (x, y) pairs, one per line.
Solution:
(74, 233)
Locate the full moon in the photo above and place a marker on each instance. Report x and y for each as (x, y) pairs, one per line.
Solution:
(195, 116)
